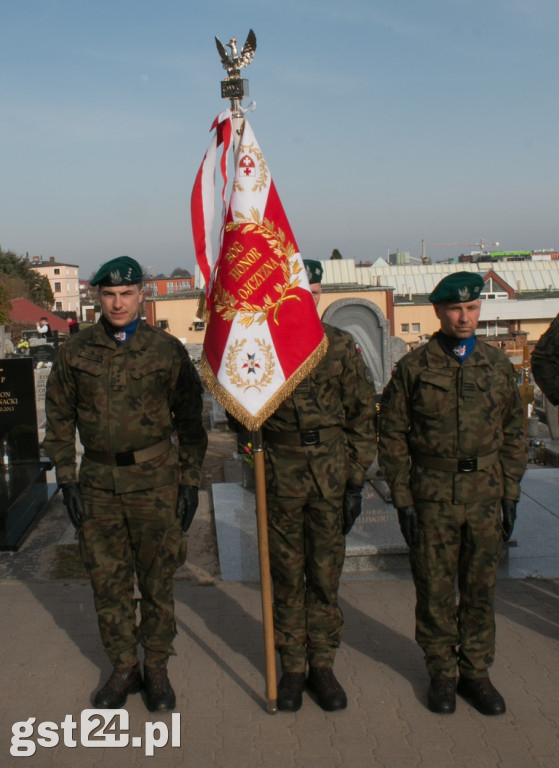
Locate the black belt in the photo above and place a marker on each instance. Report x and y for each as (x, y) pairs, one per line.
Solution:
(309, 437)
(129, 457)
(455, 465)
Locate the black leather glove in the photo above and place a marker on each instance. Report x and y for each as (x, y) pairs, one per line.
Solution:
(187, 504)
(352, 506)
(72, 495)
(508, 509)
(407, 517)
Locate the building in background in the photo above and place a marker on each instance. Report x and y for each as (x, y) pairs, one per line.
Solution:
(521, 297)
(64, 281)
(165, 286)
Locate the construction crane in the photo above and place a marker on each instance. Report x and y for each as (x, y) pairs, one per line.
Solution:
(481, 244)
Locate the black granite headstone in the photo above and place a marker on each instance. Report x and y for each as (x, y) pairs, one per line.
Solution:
(23, 486)
(18, 417)
(42, 353)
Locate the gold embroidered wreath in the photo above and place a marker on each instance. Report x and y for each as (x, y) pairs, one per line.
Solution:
(226, 303)
(232, 370)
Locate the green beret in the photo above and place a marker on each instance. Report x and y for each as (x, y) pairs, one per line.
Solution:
(120, 271)
(314, 270)
(458, 287)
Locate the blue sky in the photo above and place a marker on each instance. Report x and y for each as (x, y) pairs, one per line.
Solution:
(383, 123)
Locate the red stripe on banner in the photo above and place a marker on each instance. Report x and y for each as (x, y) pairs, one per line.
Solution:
(217, 333)
(225, 129)
(201, 229)
(202, 199)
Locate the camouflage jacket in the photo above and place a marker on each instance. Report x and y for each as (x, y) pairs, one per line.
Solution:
(125, 397)
(545, 362)
(336, 393)
(436, 406)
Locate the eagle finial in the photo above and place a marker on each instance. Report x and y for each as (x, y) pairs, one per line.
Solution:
(233, 62)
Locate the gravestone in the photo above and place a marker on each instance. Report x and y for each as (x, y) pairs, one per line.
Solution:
(41, 377)
(371, 330)
(22, 475)
(3, 339)
(41, 352)
(375, 542)
(218, 418)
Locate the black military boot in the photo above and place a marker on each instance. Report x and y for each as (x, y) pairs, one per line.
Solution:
(483, 695)
(290, 691)
(329, 693)
(122, 682)
(441, 697)
(159, 691)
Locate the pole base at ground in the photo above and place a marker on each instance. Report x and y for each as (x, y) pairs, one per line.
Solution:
(272, 706)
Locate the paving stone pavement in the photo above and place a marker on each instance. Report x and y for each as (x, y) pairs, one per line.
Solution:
(52, 662)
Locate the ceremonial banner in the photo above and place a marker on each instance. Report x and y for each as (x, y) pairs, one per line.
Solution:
(202, 202)
(264, 334)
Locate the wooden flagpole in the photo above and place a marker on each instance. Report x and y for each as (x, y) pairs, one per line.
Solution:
(265, 578)
(262, 524)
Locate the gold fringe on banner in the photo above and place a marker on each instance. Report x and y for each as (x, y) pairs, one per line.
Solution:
(252, 422)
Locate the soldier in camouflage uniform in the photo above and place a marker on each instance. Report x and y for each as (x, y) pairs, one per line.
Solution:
(318, 445)
(545, 362)
(452, 448)
(128, 387)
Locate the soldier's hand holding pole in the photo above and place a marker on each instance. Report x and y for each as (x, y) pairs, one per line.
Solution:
(72, 495)
(508, 509)
(407, 517)
(187, 504)
(352, 506)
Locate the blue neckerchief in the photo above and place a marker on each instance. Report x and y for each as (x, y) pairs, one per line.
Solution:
(459, 349)
(124, 333)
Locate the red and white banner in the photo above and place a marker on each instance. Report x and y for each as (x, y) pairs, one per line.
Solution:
(202, 204)
(264, 334)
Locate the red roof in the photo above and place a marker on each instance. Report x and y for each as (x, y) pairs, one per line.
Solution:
(24, 311)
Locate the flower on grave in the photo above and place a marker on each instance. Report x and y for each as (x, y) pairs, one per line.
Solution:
(23, 344)
(247, 455)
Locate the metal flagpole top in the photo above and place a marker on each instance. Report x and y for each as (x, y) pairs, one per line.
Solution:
(234, 87)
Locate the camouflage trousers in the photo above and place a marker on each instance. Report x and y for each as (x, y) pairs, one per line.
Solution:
(459, 547)
(126, 534)
(307, 550)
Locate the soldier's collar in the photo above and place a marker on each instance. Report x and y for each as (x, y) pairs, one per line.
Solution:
(119, 335)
